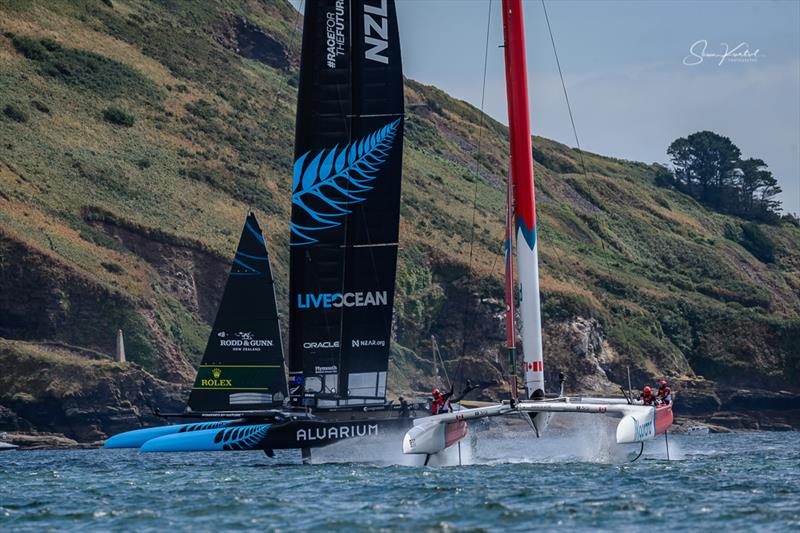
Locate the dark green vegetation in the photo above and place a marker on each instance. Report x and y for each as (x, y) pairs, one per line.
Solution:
(84, 70)
(119, 117)
(709, 167)
(15, 112)
(105, 227)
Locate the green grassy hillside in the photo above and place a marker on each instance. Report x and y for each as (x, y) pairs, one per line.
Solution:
(135, 135)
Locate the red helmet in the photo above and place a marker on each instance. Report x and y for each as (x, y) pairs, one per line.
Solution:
(662, 384)
(646, 390)
(435, 393)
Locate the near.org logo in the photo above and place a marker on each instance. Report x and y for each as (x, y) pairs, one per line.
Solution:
(329, 300)
(365, 343)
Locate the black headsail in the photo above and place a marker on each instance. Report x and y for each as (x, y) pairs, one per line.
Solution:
(242, 367)
(345, 201)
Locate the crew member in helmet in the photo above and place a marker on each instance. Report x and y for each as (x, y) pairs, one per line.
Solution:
(664, 393)
(435, 402)
(441, 402)
(647, 396)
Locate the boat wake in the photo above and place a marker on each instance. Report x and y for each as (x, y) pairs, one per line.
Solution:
(569, 438)
(384, 450)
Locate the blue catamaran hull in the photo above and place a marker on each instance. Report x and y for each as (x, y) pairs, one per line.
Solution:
(232, 435)
(138, 437)
(247, 437)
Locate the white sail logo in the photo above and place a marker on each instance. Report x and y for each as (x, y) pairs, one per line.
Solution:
(246, 341)
(338, 299)
(356, 343)
(334, 33)
(376, 32)
(337, 432)
(646, 430)
(317, 345)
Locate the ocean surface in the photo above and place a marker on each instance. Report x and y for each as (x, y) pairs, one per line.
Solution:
(728, 482)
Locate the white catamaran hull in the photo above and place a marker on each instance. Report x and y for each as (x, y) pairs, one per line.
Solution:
(639, 423)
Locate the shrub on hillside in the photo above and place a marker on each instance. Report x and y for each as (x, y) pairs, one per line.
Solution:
(30, 48)
(118, 116)
(792, 219)
(15, 112)
(202, 109)
(112, 267)
(554, 160)
(86, 70)
(40, 106)
(757, 242)
(663, 176)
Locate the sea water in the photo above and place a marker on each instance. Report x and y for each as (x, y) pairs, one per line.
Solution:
(728, 482)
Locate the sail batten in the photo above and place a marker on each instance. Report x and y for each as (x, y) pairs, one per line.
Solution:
(345, 201)
(243, 366)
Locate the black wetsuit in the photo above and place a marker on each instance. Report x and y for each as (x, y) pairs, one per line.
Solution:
(404, 410)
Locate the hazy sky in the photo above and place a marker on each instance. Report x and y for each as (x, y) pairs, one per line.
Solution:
(623, 62)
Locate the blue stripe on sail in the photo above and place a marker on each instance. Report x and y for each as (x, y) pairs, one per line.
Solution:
(245, 265)
(260, 258)
(254, 232)
(528, 234)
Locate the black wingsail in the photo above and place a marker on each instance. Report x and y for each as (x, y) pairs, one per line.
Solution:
(242, 367)
(345, 201)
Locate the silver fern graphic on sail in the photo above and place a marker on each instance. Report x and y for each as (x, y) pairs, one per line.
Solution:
(337, 178)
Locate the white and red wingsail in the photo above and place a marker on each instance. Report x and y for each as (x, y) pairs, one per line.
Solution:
(638, 423)
(519, 126)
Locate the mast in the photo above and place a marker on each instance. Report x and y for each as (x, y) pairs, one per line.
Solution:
(511, 332)
(524, 200)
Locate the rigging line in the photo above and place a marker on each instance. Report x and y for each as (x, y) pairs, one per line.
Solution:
(346, 251)
(475, 194)
(294, 37)
(295, 34)
(497, 257)
(571, 118)
(441, 360)
(564, 86)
